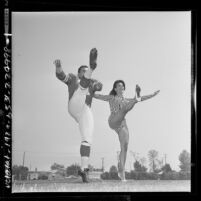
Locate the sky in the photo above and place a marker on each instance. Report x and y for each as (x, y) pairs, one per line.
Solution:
(151, 49)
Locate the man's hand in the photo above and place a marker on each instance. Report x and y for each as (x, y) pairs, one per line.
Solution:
(93, 58)
(57, 63)
(98, 86)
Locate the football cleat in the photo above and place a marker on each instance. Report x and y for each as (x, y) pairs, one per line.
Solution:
(84, 174)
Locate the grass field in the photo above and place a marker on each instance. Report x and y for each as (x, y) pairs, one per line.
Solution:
(96, 185)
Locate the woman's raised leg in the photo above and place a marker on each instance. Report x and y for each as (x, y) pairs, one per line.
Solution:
(116, 120)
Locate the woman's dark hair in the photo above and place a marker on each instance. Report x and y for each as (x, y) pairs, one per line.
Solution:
(113, 92)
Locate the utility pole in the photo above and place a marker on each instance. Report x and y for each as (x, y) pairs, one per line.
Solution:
(102, 164)
(165, 158)
(23, 159)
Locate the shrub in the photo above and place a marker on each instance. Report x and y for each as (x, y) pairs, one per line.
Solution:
(184, 175)
(143, 175)
(105, 175)
(128, 175)
(109, 175)
(113, 176)
(73, 170)
(170, 175)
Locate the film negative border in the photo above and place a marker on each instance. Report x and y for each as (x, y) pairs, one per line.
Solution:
(6, 96)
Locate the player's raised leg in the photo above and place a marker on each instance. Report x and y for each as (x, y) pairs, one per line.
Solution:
(85, 80)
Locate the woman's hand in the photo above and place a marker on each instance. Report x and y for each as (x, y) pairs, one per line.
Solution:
(156, 92)
(138, 89)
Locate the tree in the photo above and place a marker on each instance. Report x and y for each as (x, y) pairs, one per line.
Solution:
(152, 155)
(142, 161)
(113, 168)
(166, 168)
(138, 159)
(59, 169)
(113, 172)
(105, 175)
(135, 155)
(139, 167)
(56, 166)
(159, 163)
(20, 172)
(73, 170)
(16, 172)
(185, 162)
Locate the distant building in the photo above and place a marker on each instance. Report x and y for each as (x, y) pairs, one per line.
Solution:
(35, 175)
(95, 174)
(55, 176)
(50, 175)
(32, 175)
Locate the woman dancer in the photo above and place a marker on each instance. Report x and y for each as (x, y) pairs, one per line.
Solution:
(119, 107)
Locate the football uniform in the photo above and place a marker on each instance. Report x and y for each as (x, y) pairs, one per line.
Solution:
(79, 103)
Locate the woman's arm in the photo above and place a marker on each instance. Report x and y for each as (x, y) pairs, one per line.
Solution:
(139, 98)
(102, 97)
(132, 99)
(149, 96)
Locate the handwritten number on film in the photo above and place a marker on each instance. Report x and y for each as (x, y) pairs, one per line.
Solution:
(7, 104)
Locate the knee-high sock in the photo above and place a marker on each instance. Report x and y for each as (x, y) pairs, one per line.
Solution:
(84, 162)
(85, 153)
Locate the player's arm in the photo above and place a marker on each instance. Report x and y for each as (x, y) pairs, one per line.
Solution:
(60, 74)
